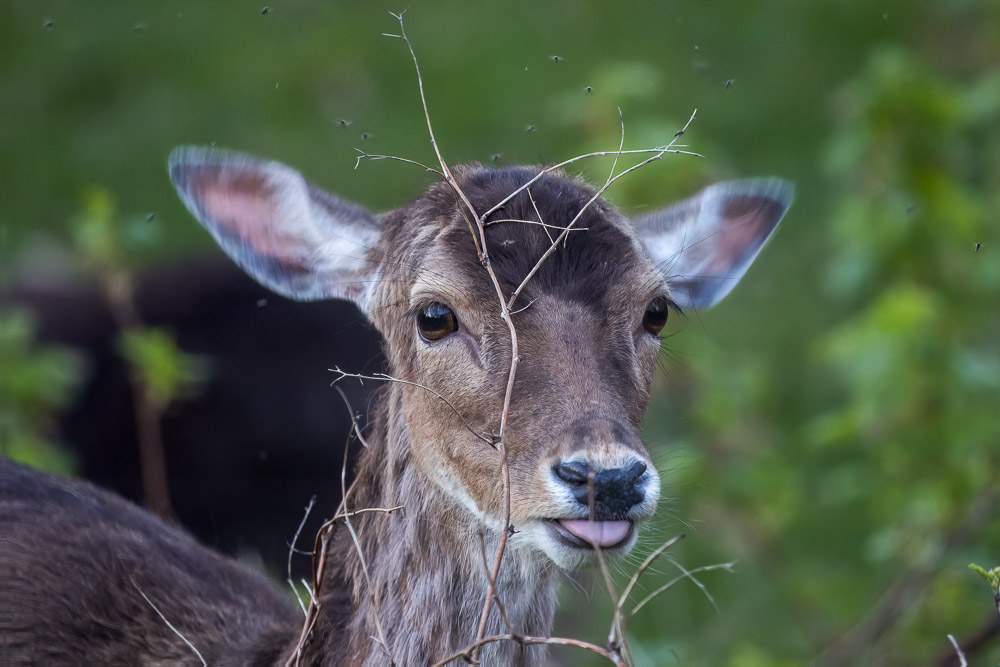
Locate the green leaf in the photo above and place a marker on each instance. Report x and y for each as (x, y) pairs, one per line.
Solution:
(992, 577)
(164, 370)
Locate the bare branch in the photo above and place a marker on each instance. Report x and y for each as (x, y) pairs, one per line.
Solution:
(446, 172)
(611, 175)
(645, 565)
(538, 213)
(291, 550)
(169, 625)
(505, 314)
(687, 575)
(533, 222)
(312, 598)
(354, 537)
(671, 148)
(580, 213)
(524, 640)
(617, 640)
(523, 308)
(958, 651)
(371, 588)
(382, 377)
(384, 510)
(477, 224)
(368, 156)
(486, 570)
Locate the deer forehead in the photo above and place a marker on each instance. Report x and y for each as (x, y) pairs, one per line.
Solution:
(602, 262)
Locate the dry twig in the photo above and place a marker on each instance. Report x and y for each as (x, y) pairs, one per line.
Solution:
(687, 574)
(523, 640)
(484, 259)
(382, 377)
(572, 223)
(477, 224)
(958, 651)
(369, 156)
(343, 512)
(291, 550)
(170, 625)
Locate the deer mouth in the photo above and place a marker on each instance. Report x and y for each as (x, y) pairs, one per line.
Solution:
(587, 534)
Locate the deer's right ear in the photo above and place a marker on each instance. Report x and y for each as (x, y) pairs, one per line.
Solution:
(291, 237)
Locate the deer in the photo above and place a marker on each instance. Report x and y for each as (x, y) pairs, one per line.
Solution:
(90, 578)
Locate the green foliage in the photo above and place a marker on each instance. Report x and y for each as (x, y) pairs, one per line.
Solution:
(836, 465)
(992, 577)
(37, 381)
(165, 372)
(828, 426)
(104, 240)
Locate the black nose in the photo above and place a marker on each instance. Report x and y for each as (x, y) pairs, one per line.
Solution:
(611, 492)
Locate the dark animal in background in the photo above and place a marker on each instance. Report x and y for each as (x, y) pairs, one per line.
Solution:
(96, 579)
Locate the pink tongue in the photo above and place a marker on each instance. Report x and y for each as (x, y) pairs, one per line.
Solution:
(600, 533)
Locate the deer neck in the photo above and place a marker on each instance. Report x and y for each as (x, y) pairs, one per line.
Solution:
(426, 567)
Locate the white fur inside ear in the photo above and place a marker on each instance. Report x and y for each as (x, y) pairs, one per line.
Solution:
(290, 236)
(704, 245)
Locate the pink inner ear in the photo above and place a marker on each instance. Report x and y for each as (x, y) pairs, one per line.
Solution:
(242, 204)
(748, 219)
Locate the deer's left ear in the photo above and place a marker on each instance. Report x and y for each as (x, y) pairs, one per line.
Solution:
(704, 245)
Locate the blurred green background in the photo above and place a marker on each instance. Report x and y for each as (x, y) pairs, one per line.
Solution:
(833, 426)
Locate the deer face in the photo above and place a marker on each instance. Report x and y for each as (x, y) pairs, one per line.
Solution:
(588, 322)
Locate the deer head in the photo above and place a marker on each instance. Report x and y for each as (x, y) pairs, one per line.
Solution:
(588, 321)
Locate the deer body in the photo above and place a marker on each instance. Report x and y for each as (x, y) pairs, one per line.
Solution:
(87, 577)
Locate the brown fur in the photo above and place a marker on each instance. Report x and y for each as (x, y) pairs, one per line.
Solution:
(73, 558)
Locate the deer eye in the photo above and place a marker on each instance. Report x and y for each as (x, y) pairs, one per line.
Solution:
(655, 317)
(435, 321)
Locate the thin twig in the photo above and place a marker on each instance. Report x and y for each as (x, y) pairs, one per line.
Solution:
(446, 172)
(525, 640)
(354, 536)
(490, 223)
(614, 165)
(382, 377)
(169, 625)
(958, 651)
(584, 156)
(486, 571)
(687, 575)
(645, 565)
(305, 584)
(580, 213)
(616, 635)
(484, 259)
(116, 284)
(291, 550)
(545, 228)
(617, 639)
(368, 156)
(344, 515)
(384, 510)
(523, 308)
(371, 588)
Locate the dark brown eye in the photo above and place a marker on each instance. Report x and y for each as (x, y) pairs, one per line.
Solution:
(436, 321)
(655, 317)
